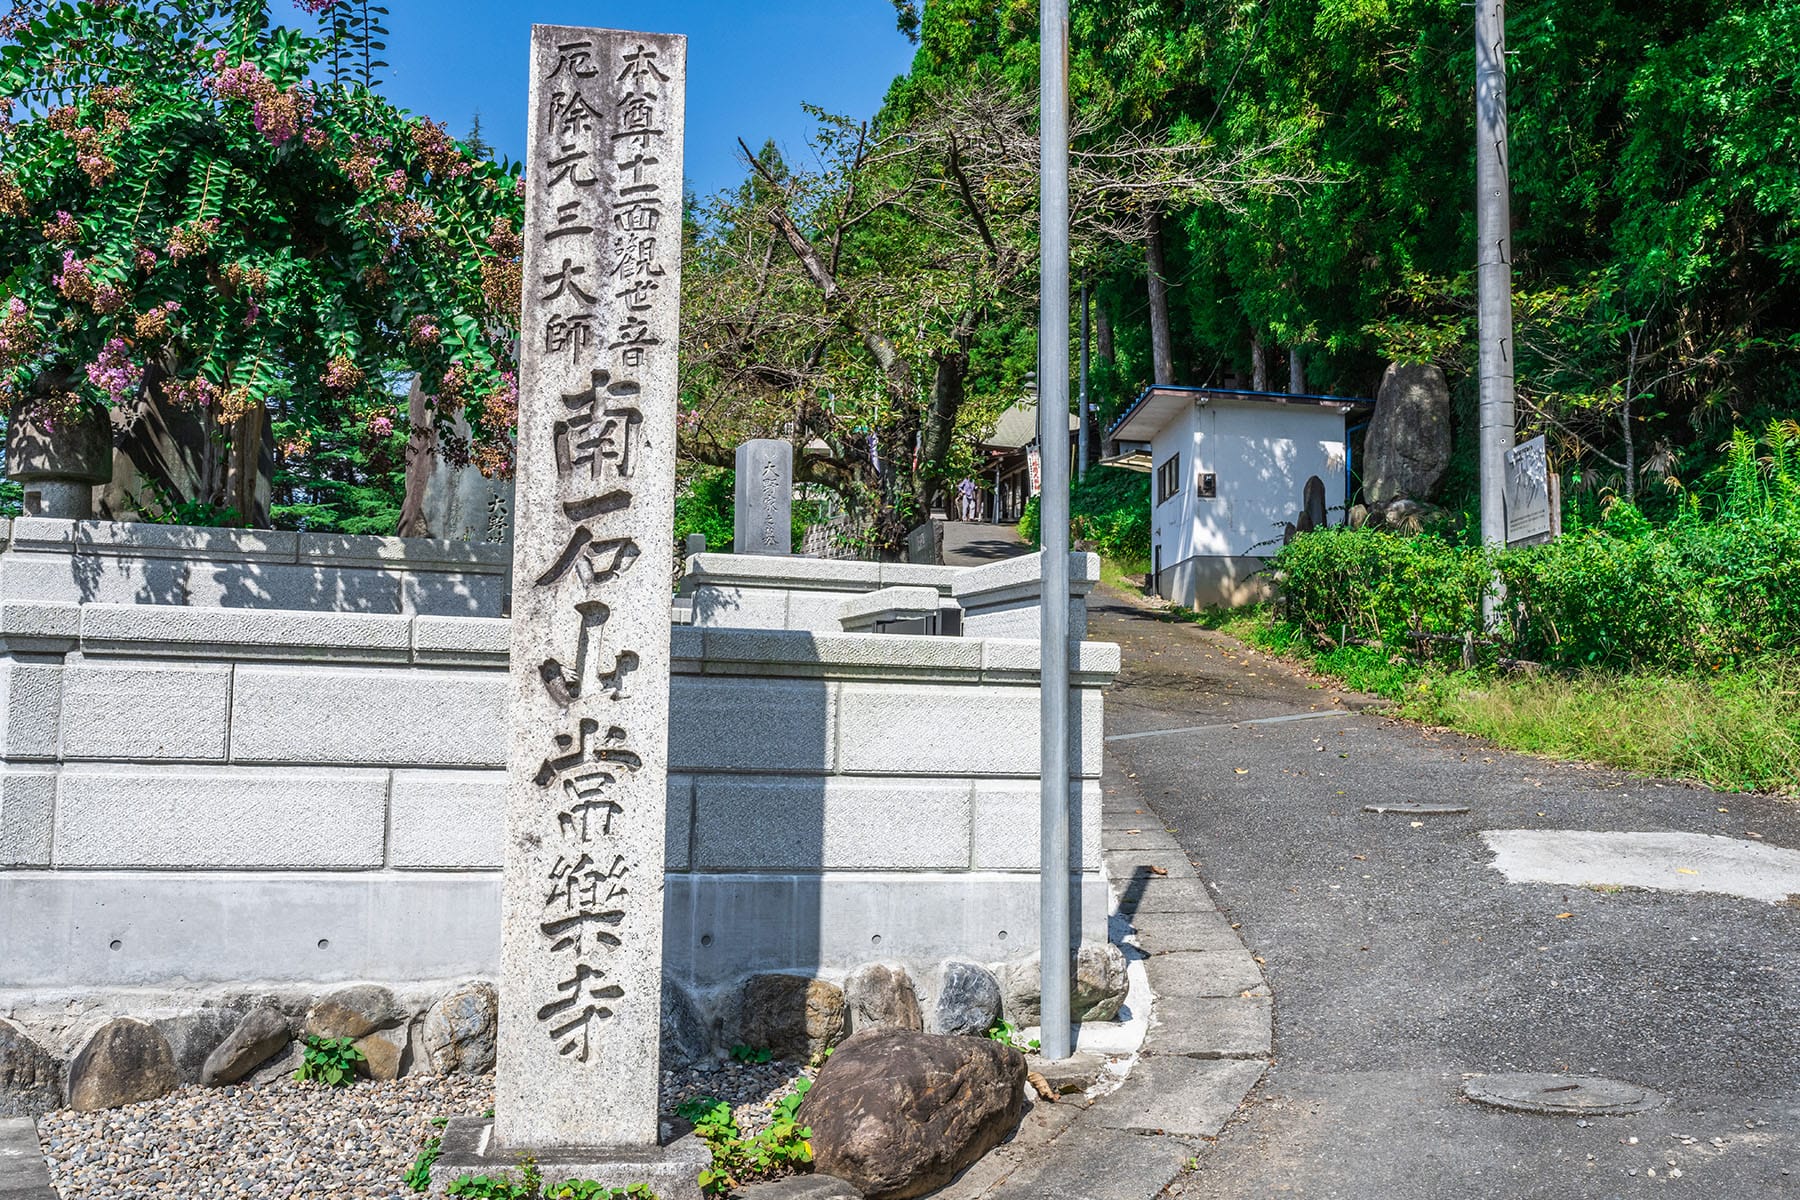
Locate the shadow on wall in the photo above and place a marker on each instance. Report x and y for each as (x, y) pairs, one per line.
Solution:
(842, 819)
(746, 888)
(142, 563)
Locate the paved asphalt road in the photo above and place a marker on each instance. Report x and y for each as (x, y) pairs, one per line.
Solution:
(1401, 960)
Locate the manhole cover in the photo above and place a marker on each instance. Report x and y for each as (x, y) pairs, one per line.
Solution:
(1433, 810)
(1574, 1095)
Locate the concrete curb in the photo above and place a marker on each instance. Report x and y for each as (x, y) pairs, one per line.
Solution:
(23, 1173)
(1208, 1044)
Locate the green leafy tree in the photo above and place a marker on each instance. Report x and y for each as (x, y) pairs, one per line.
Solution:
(204, 212)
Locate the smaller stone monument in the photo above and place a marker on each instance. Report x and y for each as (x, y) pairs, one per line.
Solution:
(765, 497)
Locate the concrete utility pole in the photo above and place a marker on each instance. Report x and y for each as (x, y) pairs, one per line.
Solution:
(1493, 239)
(1053, 514)
(1081, 404)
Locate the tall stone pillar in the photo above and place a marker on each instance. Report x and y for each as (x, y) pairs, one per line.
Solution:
(577, 1076)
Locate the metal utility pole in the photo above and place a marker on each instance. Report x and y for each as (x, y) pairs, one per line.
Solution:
(1081, 405)
(1493, 237)
(1053, 522)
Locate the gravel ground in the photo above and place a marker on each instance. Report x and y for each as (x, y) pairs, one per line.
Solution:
(295, 1141)
(752, 1091)
(281, 1140)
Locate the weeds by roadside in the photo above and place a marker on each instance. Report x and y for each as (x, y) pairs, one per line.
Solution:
(1737, 729)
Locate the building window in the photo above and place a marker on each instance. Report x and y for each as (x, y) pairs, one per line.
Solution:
(1168, 478)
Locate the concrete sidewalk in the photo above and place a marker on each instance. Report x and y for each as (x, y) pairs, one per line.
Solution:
(23, 1172)
(1207, 1045)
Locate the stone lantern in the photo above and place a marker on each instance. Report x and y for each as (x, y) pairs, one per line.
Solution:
(58, 458)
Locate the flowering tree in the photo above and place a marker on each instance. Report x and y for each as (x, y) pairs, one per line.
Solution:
(204, 213)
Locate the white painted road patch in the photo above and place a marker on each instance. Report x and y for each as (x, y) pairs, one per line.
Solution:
(1670, 862)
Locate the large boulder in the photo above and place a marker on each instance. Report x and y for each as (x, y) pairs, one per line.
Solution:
(124, 1062)
(882, 994)
(897, 1113)
(1407, 453)
(30, 1077)
(796, 1016)
(460, 1029)
(352, 1012)
(1097, 984)
(968, 1000)
(253, 1041)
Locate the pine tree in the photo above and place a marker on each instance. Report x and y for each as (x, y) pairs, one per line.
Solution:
(478, 146)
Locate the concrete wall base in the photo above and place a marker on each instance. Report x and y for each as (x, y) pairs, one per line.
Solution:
(175, 933)
(1216, 581)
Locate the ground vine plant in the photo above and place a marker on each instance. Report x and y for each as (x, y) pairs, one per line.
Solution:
(208, 212)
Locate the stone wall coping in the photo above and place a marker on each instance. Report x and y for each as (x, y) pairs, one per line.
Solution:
(1020, 578)
(166, 629)
(799, 652)
(171, 631)
(140, 539)
(812, 574)
(897, 603)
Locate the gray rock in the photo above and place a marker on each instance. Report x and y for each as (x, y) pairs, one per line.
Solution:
(279, 1067)
(684, 1037)
(193, 1036)
(968, 1000)
(384, 1054)
(30, 1077)
(1408, 516)
(1021, 991)
(352, 1012)
(418, 1056)
(125, 1061)
(881, 994)
(1097, 986)
(897, 1113)
(1408, 449)
(253, 1041)
(796, 1016)
(460, 1029)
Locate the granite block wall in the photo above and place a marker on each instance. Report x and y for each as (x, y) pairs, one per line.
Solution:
(195, 792)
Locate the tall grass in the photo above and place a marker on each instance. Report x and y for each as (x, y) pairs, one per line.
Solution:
(1737, 732)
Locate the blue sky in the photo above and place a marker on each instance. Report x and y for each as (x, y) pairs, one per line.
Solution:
(751, 64)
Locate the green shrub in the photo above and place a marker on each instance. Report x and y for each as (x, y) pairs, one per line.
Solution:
(330, 1061)
(704, 505)
(418, 1176)
(1623, 596)
(1345, 584)
(784, 1146)
(1109, 509)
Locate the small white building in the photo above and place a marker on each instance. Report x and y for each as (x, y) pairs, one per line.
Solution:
(1233, 475)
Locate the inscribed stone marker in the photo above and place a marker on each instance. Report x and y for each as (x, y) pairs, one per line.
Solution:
(763, 522)
(581, 952)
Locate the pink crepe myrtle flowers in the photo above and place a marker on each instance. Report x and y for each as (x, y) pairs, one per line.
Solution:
(113, 372)
(280, 116)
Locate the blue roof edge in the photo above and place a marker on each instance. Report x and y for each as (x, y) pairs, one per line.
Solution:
(1276, 397)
